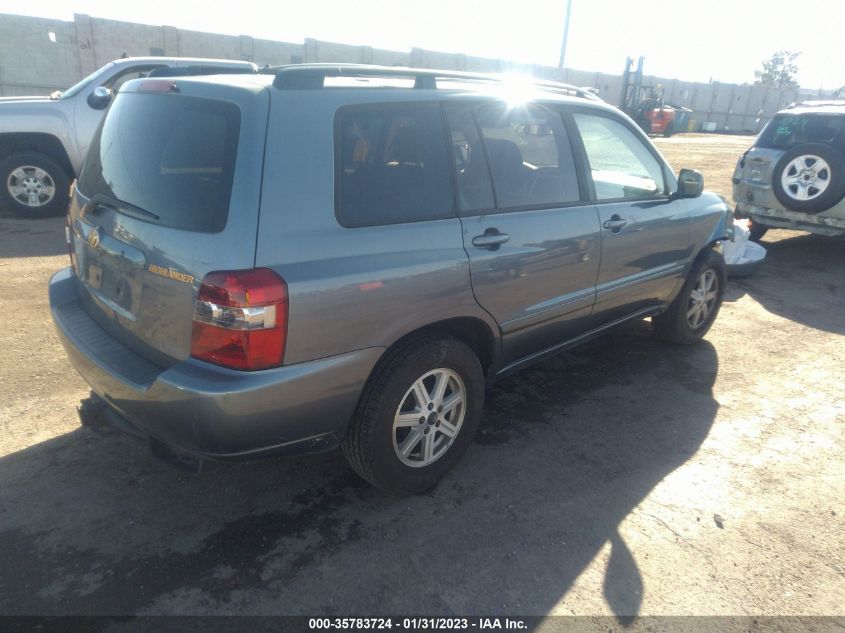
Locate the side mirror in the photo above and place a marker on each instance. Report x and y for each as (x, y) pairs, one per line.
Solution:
(100, 98)
(690, 184)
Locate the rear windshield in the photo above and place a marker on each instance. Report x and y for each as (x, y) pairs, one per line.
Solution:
(787, 130)
(171, 155)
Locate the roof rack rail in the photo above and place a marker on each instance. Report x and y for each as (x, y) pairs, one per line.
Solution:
(196, 69)
(312, 76)
(819, 103)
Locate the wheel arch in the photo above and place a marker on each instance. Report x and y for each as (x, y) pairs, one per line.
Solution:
(48, 144)
(470, 330)
(714, 243)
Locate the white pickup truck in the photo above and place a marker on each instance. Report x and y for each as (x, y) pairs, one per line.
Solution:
(43, 140)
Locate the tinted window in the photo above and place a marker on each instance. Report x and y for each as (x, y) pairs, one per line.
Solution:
(393, 165)
(475, 192)
(529, 156)
(787, 130)
(170, 155)
(621, 164)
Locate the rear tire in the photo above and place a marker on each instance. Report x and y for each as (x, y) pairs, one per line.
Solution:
(695, 308)
(33, 185)
(386, 444)
(757, 231)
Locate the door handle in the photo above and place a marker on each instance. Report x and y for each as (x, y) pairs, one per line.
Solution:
(491, 239)
(616, 223)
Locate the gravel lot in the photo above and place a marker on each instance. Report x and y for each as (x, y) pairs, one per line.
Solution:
(626, 477)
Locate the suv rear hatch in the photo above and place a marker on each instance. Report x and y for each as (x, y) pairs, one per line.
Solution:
(784, 132)
(168, 193)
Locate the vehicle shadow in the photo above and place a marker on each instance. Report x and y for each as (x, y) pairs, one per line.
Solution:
(91, 524)
(802, 279)
(32, 238)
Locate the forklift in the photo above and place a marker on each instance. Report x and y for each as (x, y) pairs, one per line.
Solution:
(646, 105)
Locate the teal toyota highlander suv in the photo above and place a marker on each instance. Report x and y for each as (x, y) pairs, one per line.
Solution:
(347, 255)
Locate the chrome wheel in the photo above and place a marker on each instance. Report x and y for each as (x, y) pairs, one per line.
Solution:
(31, 186)
(429, 418)
(702, 299)
(805, 177)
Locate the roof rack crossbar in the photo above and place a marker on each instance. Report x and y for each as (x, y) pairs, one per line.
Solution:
(312, 76)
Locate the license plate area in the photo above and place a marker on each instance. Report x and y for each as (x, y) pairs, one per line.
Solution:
(113, 271)
(94, 277)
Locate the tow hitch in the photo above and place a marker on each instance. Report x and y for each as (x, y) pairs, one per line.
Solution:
(96, 415)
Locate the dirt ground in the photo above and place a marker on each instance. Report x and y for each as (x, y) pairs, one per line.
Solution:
(625, 477)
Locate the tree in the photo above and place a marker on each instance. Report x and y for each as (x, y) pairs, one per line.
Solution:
(778, 71)
(840, 93)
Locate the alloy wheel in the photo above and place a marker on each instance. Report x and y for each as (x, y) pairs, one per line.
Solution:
(806, 177)
(703, 298)
(429, 417)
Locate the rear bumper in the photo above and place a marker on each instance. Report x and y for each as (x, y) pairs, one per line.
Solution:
(755, 199)
(783, 219)
(210, 411)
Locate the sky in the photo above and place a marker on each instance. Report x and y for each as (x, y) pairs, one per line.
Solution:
(722, 40)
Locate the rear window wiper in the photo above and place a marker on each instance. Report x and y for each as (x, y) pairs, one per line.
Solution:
(126, 208)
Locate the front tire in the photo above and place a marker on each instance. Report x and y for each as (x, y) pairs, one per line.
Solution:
(694, 310)
(417, 415)
(33, 185)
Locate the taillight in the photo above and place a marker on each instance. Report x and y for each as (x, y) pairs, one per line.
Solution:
(240, 319)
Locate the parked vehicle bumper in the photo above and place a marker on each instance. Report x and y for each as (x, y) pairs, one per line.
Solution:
(781, 218)
(755, 198)
(210, 411)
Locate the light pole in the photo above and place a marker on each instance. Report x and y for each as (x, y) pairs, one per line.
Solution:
(565, 34)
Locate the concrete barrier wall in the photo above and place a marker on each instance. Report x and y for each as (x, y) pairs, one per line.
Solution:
(32, 61)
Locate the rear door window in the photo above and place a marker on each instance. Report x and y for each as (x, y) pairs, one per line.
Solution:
(172, 156)
(392, 165)
(621, 164)
(529, 155)
(472, 176)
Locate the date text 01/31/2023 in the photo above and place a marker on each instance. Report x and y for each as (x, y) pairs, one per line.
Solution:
(417, 623)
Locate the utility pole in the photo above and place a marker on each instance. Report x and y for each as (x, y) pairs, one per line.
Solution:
(565, 34)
